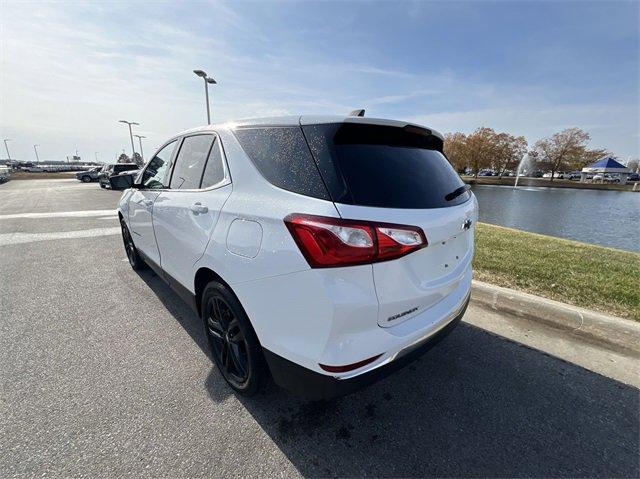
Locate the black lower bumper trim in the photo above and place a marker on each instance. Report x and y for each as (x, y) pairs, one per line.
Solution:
(315, 386)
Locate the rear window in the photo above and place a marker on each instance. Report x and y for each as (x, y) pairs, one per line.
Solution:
(282, 156)
(382, 166)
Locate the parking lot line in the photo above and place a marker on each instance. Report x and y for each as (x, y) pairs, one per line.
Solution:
(19, 238)
(61, 214)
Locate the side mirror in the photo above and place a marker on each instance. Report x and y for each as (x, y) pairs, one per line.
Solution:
(121, 182)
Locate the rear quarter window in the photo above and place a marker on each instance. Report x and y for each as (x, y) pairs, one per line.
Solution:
(283, 158)
(383, 166)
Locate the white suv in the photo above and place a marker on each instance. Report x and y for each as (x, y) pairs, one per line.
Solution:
(328, 251)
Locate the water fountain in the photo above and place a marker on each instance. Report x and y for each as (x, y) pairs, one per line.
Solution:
(524, 162)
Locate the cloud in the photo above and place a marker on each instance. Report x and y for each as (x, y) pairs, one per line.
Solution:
(68, 74)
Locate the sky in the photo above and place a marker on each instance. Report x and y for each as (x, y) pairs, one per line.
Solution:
(70, 70)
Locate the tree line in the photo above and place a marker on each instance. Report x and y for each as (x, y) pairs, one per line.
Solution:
(485, 148)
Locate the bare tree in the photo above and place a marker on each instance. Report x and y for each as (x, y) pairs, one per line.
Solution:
(123, 158)
(455, 149)
(562, 148)
(481, 148)
(634, 165)
(137, 159)
(509, 150)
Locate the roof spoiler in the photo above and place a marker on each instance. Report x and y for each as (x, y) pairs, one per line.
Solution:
(357, 112)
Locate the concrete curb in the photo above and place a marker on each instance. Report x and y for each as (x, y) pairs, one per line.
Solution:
(609, 331)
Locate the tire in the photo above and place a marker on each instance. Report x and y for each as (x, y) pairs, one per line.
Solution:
(86, 179)
(136, 262)
(233, 344)
(102, 185)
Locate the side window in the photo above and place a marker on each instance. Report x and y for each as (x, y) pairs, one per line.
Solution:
(190, 162)
(282, 156)
(214, 171)
(155, 175)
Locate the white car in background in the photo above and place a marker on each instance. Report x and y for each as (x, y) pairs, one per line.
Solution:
(326, 251)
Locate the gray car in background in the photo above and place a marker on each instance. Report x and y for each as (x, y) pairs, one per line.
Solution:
(113, 170)
(89, 175)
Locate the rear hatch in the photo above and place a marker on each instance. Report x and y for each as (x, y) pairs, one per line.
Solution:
(397, 174)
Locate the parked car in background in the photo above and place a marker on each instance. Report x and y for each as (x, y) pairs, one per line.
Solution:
(485, 173)
(328, 251)
(113, 170)
(611, 178)
(5, 173)
(573, 176)
(89, 175)
(33, 169)
(123, 180)
(536, 174)
(633, 177)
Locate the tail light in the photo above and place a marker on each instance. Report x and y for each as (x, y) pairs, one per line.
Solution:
(329, 242)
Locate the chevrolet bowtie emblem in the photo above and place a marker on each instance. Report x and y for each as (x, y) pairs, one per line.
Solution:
(467, 224)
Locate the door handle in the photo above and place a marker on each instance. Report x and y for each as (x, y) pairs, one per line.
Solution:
(198, 208)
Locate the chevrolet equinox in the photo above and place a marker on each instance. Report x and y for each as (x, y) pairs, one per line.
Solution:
(324, 251)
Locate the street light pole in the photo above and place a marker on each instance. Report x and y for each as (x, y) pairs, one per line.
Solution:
(206, 96)
(35, 148)
(207, 80)
(133, 148)
(140, 137)
(7, 148)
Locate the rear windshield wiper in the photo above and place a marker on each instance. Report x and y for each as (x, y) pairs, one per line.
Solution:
(457, 192)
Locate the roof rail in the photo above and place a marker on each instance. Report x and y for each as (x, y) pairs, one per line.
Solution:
(357, 112)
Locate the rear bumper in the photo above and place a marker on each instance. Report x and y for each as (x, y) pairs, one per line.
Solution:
(312, 385)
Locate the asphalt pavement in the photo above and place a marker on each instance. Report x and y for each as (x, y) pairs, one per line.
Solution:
(105, 374)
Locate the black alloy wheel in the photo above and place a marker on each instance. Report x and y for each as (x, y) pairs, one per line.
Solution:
(134, 258)
(86, 179)
(233, 344)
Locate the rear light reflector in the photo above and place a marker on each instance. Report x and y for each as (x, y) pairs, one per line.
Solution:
(348, 367)
(330, 242)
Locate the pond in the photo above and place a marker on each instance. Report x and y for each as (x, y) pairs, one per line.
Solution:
(608, 218)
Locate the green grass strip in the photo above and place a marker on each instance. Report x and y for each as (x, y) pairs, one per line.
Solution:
(589, 276)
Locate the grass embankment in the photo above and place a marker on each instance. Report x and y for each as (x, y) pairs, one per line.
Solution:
(45, 175)
(593, 277)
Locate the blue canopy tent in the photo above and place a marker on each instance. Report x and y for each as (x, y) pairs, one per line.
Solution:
(606, 164)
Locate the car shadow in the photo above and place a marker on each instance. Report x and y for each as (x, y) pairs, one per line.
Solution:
(475, 405)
